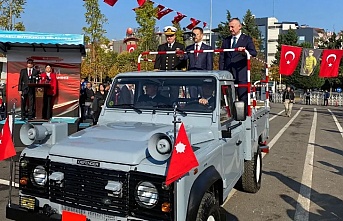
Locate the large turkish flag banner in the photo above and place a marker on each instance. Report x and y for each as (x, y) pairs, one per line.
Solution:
(330, 63)
(289, 59)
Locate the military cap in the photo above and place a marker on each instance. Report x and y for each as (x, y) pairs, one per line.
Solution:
(169, 30)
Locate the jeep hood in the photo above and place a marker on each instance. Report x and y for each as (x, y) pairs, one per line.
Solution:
(123, 143)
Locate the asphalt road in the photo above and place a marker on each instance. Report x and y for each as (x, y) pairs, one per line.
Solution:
(302, 175)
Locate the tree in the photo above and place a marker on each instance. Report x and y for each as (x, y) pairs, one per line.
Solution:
(223, 29)
(179, 33)
(146, 19)
(249, 26)
(10, 10)
(94, 36)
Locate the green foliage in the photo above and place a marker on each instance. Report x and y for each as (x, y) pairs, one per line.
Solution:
(146, 19)
(250, 27)
(10, 11)
(223, 29)
(95, 37)
(179, 34)
(289, 38)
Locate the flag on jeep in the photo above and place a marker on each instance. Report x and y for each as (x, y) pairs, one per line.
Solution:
(7, 149)
(182, 159)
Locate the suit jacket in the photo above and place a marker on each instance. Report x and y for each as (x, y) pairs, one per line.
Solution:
(52, 90)
(24, 79)
(125, 96)
(158, 99)
(236, 62)
(169, 61)
(204, 61)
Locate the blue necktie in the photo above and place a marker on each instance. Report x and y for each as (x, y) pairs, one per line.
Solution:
(234, 42)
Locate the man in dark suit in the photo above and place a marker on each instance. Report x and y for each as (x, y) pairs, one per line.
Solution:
(27, 75)
(126, 94)
(151, 97)
(236, 62)
(198, 61)
(169, 61)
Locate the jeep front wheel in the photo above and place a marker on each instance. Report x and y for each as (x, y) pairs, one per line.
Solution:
(251, 178)
(209, 209)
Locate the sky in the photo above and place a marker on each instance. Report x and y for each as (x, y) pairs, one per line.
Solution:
(67, 16)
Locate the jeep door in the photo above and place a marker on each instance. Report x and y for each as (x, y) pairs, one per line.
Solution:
(232, 140)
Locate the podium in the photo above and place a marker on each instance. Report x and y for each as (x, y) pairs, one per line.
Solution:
(39, 89)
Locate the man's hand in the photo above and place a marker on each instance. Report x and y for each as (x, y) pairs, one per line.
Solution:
(20, 92)
(241, 48)
(156, 69)
(92, 97)
(203, 101)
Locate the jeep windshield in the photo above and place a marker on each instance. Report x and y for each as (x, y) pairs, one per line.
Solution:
(190, 94)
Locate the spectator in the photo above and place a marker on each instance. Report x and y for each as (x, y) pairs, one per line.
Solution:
(326, 98)
(288, 100)
(308, 97)
(89, 97)
(98, 102)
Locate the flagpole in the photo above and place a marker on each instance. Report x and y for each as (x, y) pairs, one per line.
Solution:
(210, 22)
(11, 159)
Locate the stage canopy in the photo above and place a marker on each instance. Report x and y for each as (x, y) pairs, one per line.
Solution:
(51, 42)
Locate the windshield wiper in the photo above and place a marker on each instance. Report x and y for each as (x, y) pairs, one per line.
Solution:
(168, 106)
(130, 106)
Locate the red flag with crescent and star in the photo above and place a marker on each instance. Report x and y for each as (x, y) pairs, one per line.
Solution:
(289, 59)
(182, 159)
(110, 2)
(141, 2)
(160, 14)
(193, 23)
(179, 16)
(7, 149)
(329, 66)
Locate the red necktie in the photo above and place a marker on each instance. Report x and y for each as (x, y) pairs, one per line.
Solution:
(30, 72)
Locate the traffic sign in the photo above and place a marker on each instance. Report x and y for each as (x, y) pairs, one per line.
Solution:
(339, 90)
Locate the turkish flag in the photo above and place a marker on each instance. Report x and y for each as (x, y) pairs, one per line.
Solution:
(193, 23)
(110, 2)
(160, 14)
(141, 2)
(6, 147)
(289, 59)
(178, 18)
(329, 66)
(204, 24)
(182, 159)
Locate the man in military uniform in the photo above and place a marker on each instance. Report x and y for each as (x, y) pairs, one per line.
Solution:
(169, 61)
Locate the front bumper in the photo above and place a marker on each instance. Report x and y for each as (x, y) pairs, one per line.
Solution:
(14, 212)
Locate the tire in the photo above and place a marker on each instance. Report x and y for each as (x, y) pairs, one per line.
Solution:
(251, 178)
(209, 209)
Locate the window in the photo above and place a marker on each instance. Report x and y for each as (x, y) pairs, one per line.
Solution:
(226, 103)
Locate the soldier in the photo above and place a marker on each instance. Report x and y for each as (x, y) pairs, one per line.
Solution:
(169, 61)
(310, 63)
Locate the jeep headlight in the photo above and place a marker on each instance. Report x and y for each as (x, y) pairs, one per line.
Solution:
(146, 194)
(39, 175)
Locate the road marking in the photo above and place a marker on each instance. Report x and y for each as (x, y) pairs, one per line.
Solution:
(304, 198)
(7, 183)
(278, 114)
(278, 135)
(337, 123)
(271, 143)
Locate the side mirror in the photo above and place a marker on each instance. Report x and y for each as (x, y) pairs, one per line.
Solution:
(239, 112)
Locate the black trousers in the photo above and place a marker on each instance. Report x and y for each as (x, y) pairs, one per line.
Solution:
(47, 106)
(27, 102)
